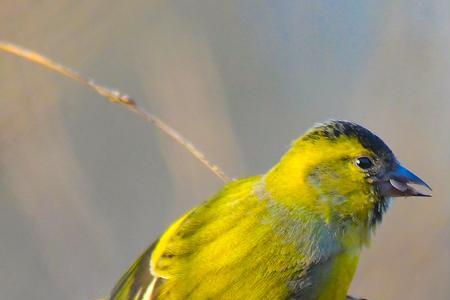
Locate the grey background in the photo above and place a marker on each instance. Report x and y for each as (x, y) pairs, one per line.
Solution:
(85, 186)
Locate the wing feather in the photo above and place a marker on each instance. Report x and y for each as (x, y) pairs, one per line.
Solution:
(136, 282)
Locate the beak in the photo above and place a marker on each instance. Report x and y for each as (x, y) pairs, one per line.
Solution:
(395, 183)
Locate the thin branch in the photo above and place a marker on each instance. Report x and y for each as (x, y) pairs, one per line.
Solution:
(114, 96)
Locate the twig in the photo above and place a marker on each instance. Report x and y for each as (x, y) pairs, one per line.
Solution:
(114, 96)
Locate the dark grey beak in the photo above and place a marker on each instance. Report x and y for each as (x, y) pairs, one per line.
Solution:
(395, 183)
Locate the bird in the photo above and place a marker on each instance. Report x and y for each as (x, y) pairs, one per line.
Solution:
(295, 232)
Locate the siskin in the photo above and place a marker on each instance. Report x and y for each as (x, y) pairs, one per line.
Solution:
(295, 232)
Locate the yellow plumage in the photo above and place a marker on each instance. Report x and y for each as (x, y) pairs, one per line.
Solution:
(294, 233)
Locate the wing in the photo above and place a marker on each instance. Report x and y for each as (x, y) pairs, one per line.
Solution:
(168, 254)
(137, 280)
(139, 283)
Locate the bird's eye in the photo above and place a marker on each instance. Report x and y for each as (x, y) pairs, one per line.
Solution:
(364, 162)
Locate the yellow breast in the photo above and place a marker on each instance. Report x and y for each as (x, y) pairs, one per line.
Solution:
(343, 266)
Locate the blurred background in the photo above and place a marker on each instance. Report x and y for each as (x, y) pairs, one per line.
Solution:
(85, 186)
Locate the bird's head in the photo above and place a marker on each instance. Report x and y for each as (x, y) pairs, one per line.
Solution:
(341, 170)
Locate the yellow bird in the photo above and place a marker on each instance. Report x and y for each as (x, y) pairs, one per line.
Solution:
(295, 232)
